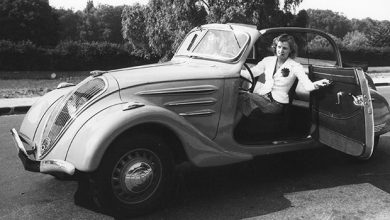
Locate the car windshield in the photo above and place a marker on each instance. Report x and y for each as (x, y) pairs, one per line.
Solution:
(213, 44)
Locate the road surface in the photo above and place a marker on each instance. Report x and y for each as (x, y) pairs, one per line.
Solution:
(312, 184)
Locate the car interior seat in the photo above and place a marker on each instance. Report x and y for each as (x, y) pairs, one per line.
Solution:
(265, 127)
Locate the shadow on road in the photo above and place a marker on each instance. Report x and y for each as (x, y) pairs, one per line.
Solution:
(257, 187)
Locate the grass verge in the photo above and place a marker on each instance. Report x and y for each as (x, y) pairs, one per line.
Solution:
(32, 84)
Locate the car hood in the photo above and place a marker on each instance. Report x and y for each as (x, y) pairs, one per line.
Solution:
(171, 71)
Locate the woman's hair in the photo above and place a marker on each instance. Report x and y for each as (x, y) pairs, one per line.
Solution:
(291, 42)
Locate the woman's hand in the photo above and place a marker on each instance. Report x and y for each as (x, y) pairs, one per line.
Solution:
(321, 83)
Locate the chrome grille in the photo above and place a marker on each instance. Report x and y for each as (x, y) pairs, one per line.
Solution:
(67, 109)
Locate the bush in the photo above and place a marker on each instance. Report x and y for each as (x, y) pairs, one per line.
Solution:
(374, 56)
(21, 56)
(69, 55)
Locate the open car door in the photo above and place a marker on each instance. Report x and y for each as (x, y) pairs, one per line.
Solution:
(342, 113)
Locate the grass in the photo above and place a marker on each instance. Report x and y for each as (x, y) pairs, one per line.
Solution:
(28, 84)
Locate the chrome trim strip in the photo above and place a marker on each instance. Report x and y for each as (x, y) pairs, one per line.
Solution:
(64, 85)
(96, 73)
(368, 114)
(204, 89)
(355, 78)
(337, 116)
(132, 105)
(208, 101)
(327, 74)
(198, 113)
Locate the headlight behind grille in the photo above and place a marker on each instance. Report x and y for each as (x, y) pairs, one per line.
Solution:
(66, 110)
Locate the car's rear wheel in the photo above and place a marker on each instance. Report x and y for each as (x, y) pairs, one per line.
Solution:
(134, 176)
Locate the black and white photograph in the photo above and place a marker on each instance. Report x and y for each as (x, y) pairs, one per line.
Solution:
(195, 109)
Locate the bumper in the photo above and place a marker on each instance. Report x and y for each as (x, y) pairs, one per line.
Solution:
(44, 166)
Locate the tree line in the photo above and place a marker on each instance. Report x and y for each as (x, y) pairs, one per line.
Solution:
(148, 33)
(154, 29)
(362, 40)
(38, 22)
(351, 33)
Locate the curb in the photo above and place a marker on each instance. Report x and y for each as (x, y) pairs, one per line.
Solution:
(15, 106)
(14, 110)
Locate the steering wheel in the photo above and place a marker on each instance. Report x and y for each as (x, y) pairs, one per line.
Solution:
(251, 81)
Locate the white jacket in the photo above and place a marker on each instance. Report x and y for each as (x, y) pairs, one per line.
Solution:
(278, 84)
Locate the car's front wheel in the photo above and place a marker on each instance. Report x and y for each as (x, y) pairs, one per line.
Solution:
(134, 176)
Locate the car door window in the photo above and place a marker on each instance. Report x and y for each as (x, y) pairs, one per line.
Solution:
(320, 51)
(313, 48)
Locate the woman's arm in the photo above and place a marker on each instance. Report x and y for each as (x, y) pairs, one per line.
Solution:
(306, 82)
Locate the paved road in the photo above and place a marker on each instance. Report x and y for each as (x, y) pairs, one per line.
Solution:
(382, 81)
(385, 92)
(312, 184)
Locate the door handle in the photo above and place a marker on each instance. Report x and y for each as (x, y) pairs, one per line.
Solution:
(339, 94)
(358, 100)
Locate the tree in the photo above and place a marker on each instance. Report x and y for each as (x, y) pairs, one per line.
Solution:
(69, 24)
(110, 23)
(33, 20)
(134, 28)
(379, 36)
(355, 39)
(262, 13)
(301, 19)
(329, 21)
(89, 28)
(160, 26)
(364, 25)
(101, 23)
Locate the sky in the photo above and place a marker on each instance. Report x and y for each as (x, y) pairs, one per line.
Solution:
(375, 9)
(80, 4)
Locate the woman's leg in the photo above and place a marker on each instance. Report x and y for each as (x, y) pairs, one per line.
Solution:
(251, 101)
(265, 104)
(247, 102)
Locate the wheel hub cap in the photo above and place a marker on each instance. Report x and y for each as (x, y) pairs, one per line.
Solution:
(138, 177)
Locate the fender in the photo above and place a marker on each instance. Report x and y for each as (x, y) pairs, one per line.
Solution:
(381, 112)
(95, 136)
(34, 117)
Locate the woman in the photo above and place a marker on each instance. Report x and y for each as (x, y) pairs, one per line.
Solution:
(280, 73)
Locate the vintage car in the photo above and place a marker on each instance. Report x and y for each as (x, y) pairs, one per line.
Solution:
(127, 129)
